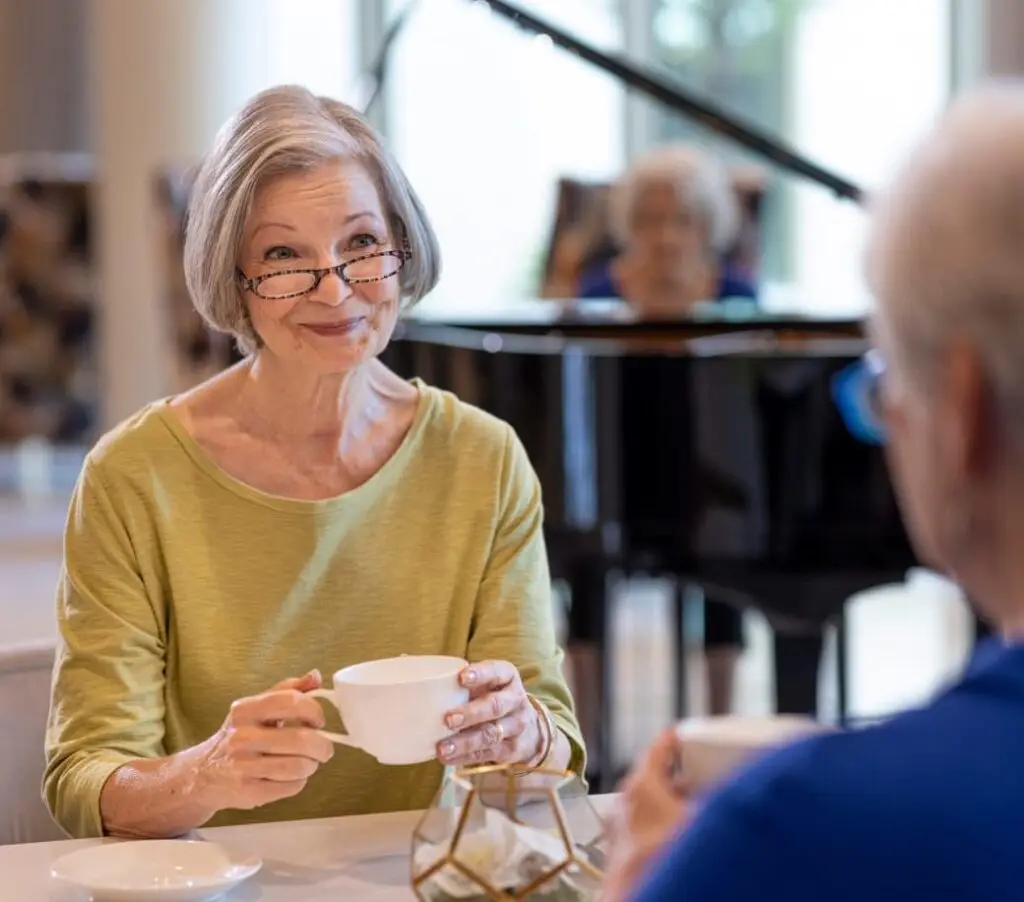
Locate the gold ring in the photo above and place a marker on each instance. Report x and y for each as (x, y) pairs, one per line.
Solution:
(497, 733)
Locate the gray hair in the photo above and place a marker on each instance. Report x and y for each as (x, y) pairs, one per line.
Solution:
(701, 181)
(284, 130)
(945, 255)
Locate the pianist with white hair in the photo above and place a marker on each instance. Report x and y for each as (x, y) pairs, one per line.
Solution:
(930, 804)
(674, 218)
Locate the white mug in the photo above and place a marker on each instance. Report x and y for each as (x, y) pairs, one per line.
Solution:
(713, 748)
(394, 708)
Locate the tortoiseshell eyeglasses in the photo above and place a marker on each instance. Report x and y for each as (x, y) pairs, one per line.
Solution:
(293, 283)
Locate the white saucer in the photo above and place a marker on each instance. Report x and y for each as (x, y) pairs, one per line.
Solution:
(161, 870)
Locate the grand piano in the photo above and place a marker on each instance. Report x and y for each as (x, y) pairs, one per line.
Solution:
(706, 447)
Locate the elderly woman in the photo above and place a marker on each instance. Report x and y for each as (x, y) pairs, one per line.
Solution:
(303, 511)
(673, 217)
(929, 805)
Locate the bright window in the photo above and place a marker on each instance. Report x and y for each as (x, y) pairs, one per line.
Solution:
(314, 43)
(849, 84)
(485, 119)
(869, 77)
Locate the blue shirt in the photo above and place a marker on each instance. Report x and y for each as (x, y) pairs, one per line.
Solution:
(598, 283)
(929, 806)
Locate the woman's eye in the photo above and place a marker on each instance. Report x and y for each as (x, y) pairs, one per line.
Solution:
(361, 242)
(279, 253)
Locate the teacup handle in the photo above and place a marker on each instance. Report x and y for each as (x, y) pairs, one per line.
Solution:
(340, 738)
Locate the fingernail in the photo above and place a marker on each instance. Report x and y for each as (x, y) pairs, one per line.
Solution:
(314, 674)
(469, 677)
(447, 749)
(455, 721)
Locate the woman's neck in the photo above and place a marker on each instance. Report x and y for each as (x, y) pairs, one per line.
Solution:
(298, 406)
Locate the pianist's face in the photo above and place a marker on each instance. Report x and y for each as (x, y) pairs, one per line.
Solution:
(666, 230)
(315, 220)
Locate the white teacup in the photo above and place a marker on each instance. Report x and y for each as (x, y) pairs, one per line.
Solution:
(715, 747)
(395, 708)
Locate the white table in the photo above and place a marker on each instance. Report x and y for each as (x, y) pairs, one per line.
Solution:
(362, 859)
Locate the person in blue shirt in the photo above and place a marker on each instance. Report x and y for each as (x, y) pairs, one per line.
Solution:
(930, 804)
(673, 219)
(667, 236)
(659, 240)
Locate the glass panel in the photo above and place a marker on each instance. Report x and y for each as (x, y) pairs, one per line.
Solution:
(285, 284)
(847, 83)
(485, 130)
(868, 77)
(373, 267)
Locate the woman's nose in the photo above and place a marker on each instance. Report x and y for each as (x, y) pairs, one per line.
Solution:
(332, 290)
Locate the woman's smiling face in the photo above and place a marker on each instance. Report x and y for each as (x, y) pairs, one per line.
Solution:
(314, 220)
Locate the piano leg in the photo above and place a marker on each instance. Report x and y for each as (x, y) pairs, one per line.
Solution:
(681, 593)
(723, 646)
(982, 630)
(589, 650)
(797, 660)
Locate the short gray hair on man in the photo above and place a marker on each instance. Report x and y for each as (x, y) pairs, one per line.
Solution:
(945, 256)
(701, 181)
(284, 130)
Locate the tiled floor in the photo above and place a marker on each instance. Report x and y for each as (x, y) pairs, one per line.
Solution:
(904, 645)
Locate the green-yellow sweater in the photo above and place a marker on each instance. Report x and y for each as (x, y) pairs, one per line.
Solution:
(184, 589)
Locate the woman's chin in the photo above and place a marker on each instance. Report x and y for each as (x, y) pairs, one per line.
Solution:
(327, 354)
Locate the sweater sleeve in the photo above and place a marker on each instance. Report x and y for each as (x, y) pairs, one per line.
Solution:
(513, 619)
(790, 826)
(107, 700)
(729, 854)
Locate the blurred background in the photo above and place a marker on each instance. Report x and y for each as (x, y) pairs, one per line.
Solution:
(105, 104)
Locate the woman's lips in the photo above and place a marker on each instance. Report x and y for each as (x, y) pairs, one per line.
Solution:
(341, 327)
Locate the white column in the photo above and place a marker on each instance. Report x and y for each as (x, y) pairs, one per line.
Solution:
(42, 94)
(163, 77)
(1003, 27)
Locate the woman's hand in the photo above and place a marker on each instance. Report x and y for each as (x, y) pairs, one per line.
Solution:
(266, 749)
(498, 724)
(652, 809)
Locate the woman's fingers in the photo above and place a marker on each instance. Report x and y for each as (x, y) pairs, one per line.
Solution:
(258, 792)
(278, 705)
(304, 683)
(489, 707)
(494, 741)
(278, 768)
(488, 676)
(298, 742)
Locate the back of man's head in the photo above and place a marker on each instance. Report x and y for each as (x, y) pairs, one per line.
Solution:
(946, 252)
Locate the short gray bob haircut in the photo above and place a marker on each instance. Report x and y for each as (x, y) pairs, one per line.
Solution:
(702, 182)
(284, 130)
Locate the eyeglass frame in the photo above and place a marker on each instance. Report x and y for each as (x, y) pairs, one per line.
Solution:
(855, 391)
(252, 283)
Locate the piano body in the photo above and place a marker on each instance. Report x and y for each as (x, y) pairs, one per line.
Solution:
(704, 447)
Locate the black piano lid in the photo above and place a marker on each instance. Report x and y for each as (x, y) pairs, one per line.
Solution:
(613, 317)
(677, 98)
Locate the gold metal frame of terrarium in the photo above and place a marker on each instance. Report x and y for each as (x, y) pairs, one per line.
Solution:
(514, 791)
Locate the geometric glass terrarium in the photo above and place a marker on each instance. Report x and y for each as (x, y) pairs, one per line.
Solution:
(497, 833)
